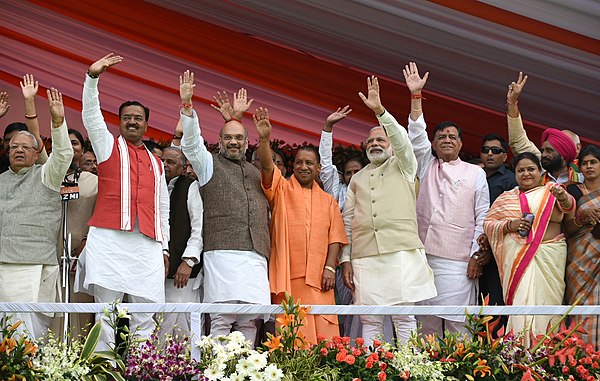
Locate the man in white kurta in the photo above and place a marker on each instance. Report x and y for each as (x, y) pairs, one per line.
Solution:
(183, 284)
(120, 263)
(388, 264)
(30, 211)
(236, 242)
(452, 203)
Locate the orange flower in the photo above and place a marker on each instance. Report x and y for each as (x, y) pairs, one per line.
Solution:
(302, 312)
(3, 346)
(483, 368)
(300, 341)
(460, 350)
(10, 344)
(274, 343)
(15, 326)
(29, 348)
(285, 320)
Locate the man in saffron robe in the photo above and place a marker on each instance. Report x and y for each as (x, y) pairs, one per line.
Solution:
(307, 232)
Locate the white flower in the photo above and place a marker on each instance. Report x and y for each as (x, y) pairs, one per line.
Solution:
(213, 373)
(236, 377)
(255, 375)
(272, 373)
(258, 360)
(244, 367)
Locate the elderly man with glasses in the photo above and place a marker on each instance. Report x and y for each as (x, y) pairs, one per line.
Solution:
(30, 213)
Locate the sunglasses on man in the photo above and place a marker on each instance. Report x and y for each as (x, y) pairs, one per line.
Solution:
(495, 150)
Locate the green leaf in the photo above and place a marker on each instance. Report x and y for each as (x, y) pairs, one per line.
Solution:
(91, 341)
(116, 375)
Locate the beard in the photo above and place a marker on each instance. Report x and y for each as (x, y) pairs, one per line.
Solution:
(380, 157)
(238, 156)
(552, 164)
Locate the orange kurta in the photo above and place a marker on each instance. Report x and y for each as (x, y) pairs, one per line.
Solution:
(304, 222)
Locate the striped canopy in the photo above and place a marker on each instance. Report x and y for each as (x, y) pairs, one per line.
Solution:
(304, 58)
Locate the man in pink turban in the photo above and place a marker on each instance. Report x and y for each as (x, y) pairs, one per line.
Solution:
(558, 151)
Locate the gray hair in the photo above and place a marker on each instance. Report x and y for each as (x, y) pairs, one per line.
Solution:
(182, 157)
(27, 133)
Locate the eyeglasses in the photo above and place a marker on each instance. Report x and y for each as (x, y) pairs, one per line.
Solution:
(17, 146)
(495, 150)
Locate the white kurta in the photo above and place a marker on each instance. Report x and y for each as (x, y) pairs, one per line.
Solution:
(393, 278)
(128, 262)
(235, 275)
(228, 274)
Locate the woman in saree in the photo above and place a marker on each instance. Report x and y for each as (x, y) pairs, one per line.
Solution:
(583, 269)
(531, 264)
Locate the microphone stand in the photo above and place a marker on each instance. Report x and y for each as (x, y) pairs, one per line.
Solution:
(69, 191)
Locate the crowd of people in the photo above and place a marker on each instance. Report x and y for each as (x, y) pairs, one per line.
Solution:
(416, 225)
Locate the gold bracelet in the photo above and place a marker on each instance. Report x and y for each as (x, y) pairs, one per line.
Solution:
(575, 222)
(330, 269)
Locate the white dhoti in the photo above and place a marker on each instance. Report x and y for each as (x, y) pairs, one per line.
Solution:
(454, 289)
(235, 277)
(180, 323)
(29, 283)
(125, 266)
(400, 278)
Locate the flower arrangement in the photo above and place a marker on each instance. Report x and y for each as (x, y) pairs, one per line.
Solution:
(231, 358)
(60, 361)
(168, 361)
(481, 354)
(17, 352)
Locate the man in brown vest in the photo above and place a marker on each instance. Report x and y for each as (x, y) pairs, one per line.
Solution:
(236, 233)
(185, 244)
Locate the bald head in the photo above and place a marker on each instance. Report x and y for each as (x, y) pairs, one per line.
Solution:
(233, 140)
(575, 138)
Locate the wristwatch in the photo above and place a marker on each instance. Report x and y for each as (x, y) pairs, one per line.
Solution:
(190, 262)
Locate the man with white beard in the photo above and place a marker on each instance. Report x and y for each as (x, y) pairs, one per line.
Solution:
(385, 262)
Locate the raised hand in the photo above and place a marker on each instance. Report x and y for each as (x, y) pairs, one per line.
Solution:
(414, 82)
(336, 116)
(4, 106)
(223, 106)
(104, 63)
(261, 121)
(372, 101)
(186, 87)
(241, 104)
(29, 86)
(57, 108)
(515, 88)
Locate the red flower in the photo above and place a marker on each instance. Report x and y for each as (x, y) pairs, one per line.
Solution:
(405, 375)
(565, 369)
(376, 343)
(340, 357)
(360, 341)
(369, 364)
(356, 352)
(356, 379)
(389, 355)
(320, 338)
(345, 340)
(382, 376)
(382, 365)
(350, 360)
(324, 351)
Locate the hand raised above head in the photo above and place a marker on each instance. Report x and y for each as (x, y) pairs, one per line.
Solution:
(29, 86)
(186, 87)
(223, 105)
(515, 89)
(241, 104)
(261, 121)
(337, 115)
(372, 100)
(57, 108)
(104, 63)
(414, 82)
(4, 106)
